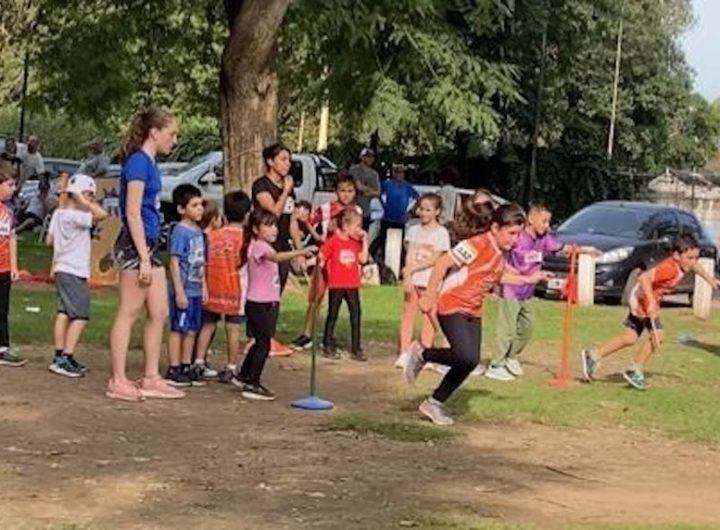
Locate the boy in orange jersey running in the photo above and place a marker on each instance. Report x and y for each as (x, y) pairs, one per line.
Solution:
(645, 298)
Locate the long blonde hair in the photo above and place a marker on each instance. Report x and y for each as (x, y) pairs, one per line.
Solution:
(139, 130)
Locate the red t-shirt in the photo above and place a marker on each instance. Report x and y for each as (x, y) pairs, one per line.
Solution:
(328, 212)
(342, 262)
(223, 270)
(6, 231)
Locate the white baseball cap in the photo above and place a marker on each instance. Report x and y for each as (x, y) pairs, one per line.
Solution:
(80, 183)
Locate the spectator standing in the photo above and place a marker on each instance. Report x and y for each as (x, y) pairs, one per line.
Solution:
(32, 162)
(96, 164)
(367, 182)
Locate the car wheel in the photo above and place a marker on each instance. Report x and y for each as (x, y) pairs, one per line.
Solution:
(629, 284)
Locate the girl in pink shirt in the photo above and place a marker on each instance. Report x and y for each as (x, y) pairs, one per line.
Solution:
(263, 297)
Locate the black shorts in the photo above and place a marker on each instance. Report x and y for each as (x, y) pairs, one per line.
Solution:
(208, 317)
(640, 324)
(126, 255)
(73, 296)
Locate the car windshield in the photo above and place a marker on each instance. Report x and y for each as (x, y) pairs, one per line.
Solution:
(607, 221)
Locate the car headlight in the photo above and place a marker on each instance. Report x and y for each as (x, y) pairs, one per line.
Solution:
(615, 255)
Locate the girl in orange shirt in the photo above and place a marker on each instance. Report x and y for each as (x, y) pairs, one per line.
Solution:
(460, 280)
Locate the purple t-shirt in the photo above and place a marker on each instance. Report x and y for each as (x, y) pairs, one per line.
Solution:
(263, 275)
(526, 257)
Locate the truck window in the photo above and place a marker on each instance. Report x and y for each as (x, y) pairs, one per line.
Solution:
(296, 170)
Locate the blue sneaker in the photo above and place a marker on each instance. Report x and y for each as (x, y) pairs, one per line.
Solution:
(61, 365)
(635, 379)
(77, 365)
(589, 365)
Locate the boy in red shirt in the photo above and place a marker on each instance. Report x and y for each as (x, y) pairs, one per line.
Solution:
(325, 219)
(342, 256)
(645, 298)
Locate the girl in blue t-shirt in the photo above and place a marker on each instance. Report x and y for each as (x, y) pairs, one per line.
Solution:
(142, 276)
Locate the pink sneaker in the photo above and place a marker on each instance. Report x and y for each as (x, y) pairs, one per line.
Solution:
(157, 388)
(278, 349)
(123, 390)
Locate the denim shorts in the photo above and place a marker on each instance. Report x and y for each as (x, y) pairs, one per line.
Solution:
(126, 255)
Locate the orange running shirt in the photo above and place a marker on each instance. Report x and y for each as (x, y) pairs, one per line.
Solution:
(479, 265)
(6, 231)
(665, 275)
(223, 270)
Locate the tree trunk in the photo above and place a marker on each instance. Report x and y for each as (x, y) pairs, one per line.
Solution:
(249, 87)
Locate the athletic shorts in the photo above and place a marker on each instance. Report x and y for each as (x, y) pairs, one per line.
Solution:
(73, 296)
(640, 324)
(126, 255)
(208, 317)
(186, 321)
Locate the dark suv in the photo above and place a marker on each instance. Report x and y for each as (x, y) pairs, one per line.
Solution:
(632, 236)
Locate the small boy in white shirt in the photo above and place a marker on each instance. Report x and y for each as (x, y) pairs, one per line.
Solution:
(69, 234)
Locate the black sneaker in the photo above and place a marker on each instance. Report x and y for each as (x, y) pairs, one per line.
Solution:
(257, 392)
(303, 342)
(78, 366)
(358, 355)
(196, 374)
(176, 377)
(331, 352)
(225, 376)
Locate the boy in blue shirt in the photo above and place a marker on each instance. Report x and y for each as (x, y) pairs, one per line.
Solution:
(187, 290)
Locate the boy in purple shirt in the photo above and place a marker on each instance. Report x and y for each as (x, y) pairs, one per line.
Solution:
(515, 315)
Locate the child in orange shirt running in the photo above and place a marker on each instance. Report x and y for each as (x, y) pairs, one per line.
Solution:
(224, 248)
(645, 298)
(459, 282)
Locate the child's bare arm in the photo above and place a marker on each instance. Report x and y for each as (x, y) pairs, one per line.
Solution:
(176, 279)
(512, 277)
(442, 265)
(645, 281)
(279, 257)
(97, 211)
(13, 257)
(365, 252)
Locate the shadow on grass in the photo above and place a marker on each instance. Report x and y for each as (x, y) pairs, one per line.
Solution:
(713, 349)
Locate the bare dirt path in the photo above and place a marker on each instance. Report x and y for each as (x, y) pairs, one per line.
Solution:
(70, 456)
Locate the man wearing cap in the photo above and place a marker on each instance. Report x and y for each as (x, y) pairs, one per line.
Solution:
(367, 182)
(96, 164)
(10, 154)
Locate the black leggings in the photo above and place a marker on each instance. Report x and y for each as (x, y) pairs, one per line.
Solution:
(262, 321)
(464, 334)
(335, 298)
(5, 283)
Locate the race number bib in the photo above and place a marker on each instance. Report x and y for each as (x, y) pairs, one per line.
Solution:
(347, 257)
(464, 253)
(289, 205)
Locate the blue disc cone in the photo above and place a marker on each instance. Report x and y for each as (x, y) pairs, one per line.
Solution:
(313, 403)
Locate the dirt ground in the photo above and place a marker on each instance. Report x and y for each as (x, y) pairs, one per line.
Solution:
(72, 457)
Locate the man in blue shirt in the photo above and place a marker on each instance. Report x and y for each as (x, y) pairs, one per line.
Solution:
(398, 196)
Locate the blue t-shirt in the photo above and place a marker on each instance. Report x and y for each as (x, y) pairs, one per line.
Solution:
(188, 244)
(139, 166)
(397, 195)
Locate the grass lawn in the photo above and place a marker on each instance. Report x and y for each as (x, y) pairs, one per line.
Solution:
(683, 401)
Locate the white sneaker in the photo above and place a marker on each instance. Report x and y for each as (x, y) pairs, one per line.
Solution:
(415, 363)
(435, 412)
(439, 368)
(402, 360)
(514, 367)
(478, 371)
(499, 373)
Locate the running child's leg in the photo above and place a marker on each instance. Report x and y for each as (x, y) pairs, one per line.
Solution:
(647, 349)
(591, 358)
(463, 333)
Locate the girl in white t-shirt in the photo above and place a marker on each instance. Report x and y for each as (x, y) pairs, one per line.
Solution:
(425, 243)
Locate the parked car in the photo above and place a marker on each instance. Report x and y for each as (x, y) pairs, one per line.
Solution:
(632, 236)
